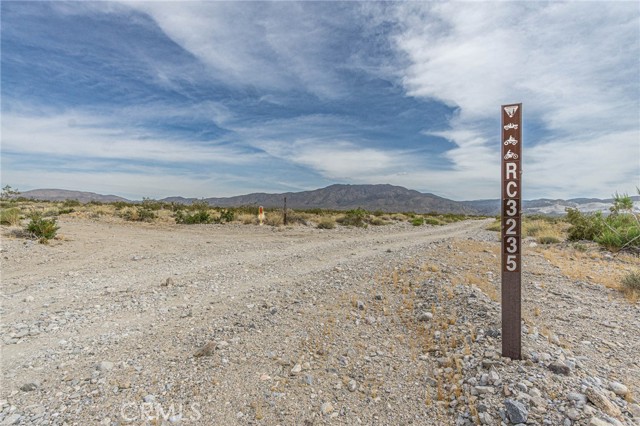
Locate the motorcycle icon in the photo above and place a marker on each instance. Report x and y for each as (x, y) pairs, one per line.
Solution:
(511, 141)
(510, 155)
(511, 126)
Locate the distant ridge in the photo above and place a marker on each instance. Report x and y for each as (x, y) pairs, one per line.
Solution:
(384, 197)
(387, 198)
(63, 194)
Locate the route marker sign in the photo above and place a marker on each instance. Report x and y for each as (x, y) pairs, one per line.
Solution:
(511, 207)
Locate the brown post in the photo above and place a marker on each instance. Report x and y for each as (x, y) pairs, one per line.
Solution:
(511, 165)
(285, 211)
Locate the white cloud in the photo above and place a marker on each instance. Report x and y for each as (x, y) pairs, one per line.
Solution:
(82, 135)
(573, 65)
(269, 45)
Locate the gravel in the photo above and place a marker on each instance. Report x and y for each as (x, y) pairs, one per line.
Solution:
(233, 324)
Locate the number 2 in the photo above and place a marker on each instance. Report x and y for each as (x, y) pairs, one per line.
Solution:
(511, 230)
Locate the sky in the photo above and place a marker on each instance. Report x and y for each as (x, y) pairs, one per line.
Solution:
(213, 99)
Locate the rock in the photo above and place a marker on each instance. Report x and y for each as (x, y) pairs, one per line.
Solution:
(425, 316)
(29, 299)
(149, 398)
(602, 402)
(577, 397)
(360, 304)
(352, 385)
(12, 419)
(296, 369)
(206, 350)
(326, 408)
(516, 411)
(618, 388)
(308, 379)
(598, 422)
(28, 387)
(573, 414)
(634, 409)
(559, 368)
(167, 283)
(105, 365)
(222, 344)
(273, 310)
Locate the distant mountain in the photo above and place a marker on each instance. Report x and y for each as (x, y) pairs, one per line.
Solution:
(63, 194)
(550, 207)
(386, 198)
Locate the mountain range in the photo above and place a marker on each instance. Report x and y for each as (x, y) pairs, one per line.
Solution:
(384, 197)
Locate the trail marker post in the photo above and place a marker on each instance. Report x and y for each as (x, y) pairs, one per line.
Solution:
(260, 215)
(511, 207)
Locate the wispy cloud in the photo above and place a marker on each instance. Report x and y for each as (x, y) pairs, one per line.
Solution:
(566, 63)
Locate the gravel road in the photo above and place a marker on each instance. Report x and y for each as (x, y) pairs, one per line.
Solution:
(119, 323)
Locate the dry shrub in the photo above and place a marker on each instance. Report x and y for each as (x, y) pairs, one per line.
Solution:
(273, 218)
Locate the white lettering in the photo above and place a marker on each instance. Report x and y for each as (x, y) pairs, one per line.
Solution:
(512, 185)
(511, 262)
(511, 170)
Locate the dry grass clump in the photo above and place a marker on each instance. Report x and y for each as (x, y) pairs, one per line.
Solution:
(326, 223)
(631, 285)
(593, 266)
(546, 231)
(10, 216)
(273, 219)
(247, 219)
(495, 226)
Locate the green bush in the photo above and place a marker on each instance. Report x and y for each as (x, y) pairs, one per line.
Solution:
(65, 211)
(620, 231)
(417, 221)
(140, 214)
(226, 216)
(376, 221)
(354, 218)
(432, 221)
(44, 229)
(71, 203)
(201, 216)
(10, 216)
(583, 226)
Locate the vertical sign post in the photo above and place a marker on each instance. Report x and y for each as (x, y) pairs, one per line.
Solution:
(511, 161)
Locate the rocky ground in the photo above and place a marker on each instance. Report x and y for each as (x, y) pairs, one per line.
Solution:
(120, 323)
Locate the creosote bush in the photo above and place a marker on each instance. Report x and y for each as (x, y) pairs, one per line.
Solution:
(417, 221)
(201, 216)
(354, 217)
(43, 229)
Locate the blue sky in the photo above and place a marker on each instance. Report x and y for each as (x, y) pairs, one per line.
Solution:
(201, 99)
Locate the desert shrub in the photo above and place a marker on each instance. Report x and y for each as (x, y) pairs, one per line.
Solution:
(226, 216)
(66, 211)
(273, 218)
(620, 231)
(71, 203)
(43, 229)
(378, 213)
(139, 214)
(584, 226)
(631, 282)
(417, 221)
(297, 218)
(119, 205)
(201, 216)
(327, 223)
(548, 239)
(432, 221)
(151, 204)
(378, 221)
(10, 216)
(354, 217)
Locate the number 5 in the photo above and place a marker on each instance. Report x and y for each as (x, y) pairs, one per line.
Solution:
(511, 262)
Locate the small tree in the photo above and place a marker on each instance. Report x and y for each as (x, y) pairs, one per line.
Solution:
(9, 192)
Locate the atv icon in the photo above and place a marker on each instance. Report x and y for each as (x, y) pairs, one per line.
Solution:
(511, 141)
(511, 126)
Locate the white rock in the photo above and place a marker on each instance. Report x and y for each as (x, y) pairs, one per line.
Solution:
(618, 388)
